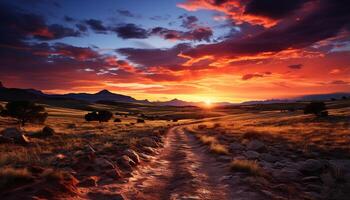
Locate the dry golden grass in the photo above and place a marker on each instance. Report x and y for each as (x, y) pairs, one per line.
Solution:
(218, 148)
(247, 166)
(72, 138)
(208, 140)
(214, 145)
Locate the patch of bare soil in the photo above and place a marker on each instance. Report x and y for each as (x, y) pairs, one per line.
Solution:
(185, 170)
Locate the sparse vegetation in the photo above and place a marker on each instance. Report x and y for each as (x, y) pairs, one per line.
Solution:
(140, 121)
(24, 112)
(316, 108)
(213, 144)
(247, 166)
(218, 148)
(100, 116)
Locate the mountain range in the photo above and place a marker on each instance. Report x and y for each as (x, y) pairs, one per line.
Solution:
(10, 94)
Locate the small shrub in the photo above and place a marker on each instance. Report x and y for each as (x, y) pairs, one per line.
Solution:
(117, 120)
(315, 108)
(140, 121)
(216, 125)
(202, 126)
(71, 126)
(247, 166)
(100, 116)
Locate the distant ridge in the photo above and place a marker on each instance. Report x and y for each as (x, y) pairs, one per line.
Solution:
(10, 94)
(103, 95)
(311, 97)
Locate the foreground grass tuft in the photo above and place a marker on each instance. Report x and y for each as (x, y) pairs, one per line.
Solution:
(207, 139)
(219, 148)
(248, 166)
(214, 145)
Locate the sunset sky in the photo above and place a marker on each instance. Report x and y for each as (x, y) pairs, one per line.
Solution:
(196, 50)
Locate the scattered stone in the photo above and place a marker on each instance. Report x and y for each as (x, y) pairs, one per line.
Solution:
(224, 158)
(104, 164)
(71, 126)
(148, 142)
(145, 157)
(47, 131)
(251, 155)
(90, 181)
(16, 135)
(314, 187)
(5, 140)
(148, 150)
(133, 155)
(310, 179)
(78, 153)
(117, 120)
(202, 126)
(327, 179)
(100, 195)
(126, 162)
(269, 158)
(256, 145)
(287, 174)
(236, 146)
(36, 169)
(113, 173)
(311, 166)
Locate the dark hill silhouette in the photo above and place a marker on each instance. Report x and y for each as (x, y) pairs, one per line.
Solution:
(100, 96)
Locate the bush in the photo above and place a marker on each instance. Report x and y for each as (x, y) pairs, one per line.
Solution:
(140, 121)
(25, 111)
(117, 120)
(100, 116)
(104, 116)
(315, 108)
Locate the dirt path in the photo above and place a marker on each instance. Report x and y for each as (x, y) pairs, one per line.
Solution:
(183, 170)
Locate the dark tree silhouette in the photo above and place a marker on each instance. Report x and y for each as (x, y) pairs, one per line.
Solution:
(100, 116)
(104, 116)
(91, 116)
(316, 108)
(25, 111)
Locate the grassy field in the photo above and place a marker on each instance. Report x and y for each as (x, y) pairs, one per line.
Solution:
(274, 151)
(285, 152)
(75, 140)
